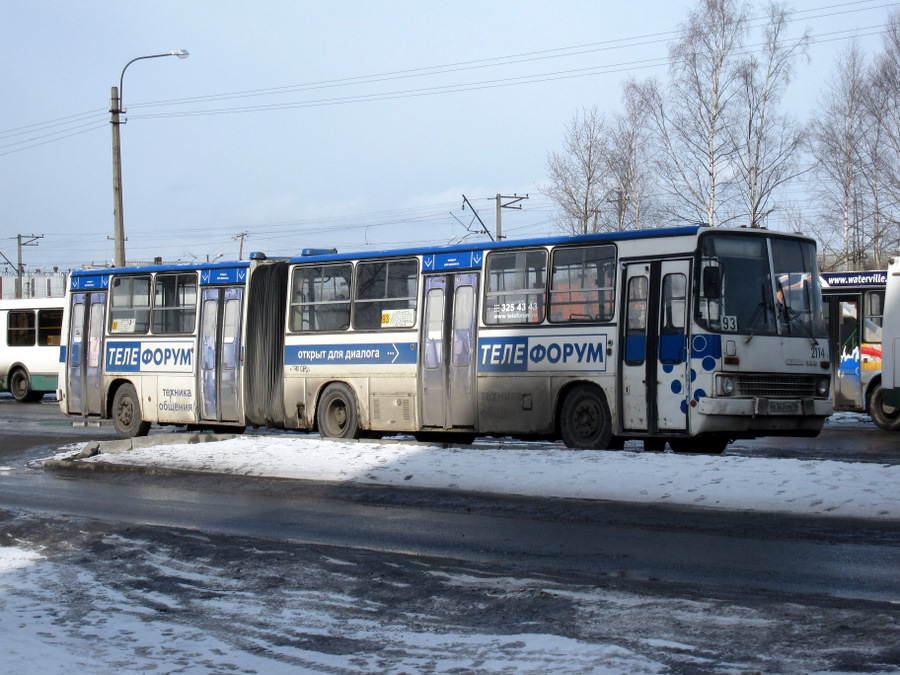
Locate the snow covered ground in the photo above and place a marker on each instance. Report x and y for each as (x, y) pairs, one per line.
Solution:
(790, 486)
(86, 599)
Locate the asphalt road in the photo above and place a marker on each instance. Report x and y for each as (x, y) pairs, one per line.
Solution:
(824, 575)
(839, 558)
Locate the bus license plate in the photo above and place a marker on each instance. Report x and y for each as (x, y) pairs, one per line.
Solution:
(784, 407)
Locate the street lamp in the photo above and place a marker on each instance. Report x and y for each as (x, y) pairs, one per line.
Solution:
(115, 109)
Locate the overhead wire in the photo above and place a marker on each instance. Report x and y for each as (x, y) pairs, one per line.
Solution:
(491, 62)
(72, 125)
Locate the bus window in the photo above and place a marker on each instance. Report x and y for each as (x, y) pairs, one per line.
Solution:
(674, 286)
(463, 317)
(636, 327)
(320, 298)
(175, 303)
(385, 294)
(20, 329)
(49, 326)
(672, 322)
(434, 327)
(582, 284)
(130, 307)
(516, 288)
(874, 316)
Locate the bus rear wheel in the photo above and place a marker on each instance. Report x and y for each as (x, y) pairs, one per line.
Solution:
(337, 414)
(886, 417)
(20, 387)
(584, 419)
(126, 413)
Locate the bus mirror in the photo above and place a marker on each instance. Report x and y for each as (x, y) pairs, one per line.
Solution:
(712, 283)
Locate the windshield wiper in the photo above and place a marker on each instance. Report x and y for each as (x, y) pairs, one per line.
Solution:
(762, 310)
(792, 317)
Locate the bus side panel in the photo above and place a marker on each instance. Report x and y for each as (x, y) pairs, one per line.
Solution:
(381, 370)
(515, 405)
(163, 371)
(521, 374)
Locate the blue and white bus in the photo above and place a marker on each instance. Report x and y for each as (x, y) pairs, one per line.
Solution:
(854, 312)
(693, 336)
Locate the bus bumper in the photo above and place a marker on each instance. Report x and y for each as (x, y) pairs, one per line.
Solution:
(762, 415)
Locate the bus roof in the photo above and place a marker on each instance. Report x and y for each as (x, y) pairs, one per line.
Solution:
(32, 303)
(332, 254)
(171, 267)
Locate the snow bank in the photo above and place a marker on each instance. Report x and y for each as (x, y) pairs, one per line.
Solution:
(789, 486)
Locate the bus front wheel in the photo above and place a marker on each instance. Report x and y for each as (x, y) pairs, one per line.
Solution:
(20, 386)
(338, 417)
(126, 413)
(585, 422)
(885, 416)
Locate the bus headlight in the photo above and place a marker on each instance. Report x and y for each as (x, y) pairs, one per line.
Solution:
(726, 385)
(822, 386)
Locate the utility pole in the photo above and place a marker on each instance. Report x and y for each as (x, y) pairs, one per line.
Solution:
(115, 119)
(619, 201)
(115, 109)
(514, 199)
(31, 240)
(241, 237)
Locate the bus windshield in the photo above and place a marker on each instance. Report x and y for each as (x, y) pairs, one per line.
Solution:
(759, 286)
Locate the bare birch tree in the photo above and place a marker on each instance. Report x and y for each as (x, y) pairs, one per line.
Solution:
(692, 118)
(578, 174)
(769, 141)
(838, 135)
(883, 145)
(628, 163)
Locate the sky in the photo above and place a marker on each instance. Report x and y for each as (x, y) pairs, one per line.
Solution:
(298, 124)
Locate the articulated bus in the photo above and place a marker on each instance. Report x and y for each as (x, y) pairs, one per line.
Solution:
(854, 311)
(29, 346)
(693, 336)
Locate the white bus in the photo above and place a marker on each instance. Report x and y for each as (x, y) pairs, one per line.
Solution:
(693, 336)
(29, 346)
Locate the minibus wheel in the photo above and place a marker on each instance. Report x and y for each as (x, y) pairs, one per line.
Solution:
(126, 413)
(20, 386)
(584, 419)
(337, 414)
(885, 417)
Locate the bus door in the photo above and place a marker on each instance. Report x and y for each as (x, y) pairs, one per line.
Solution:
(844, 328)
(447, 369)
(84, 362)
(220, 347)
(655, 387)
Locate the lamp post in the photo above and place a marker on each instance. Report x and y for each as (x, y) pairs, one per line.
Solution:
(115, 109)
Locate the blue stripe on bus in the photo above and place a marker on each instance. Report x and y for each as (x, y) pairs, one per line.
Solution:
(230, 271)
(374, 353)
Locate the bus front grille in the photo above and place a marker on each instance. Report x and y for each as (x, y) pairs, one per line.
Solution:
(776, 386)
